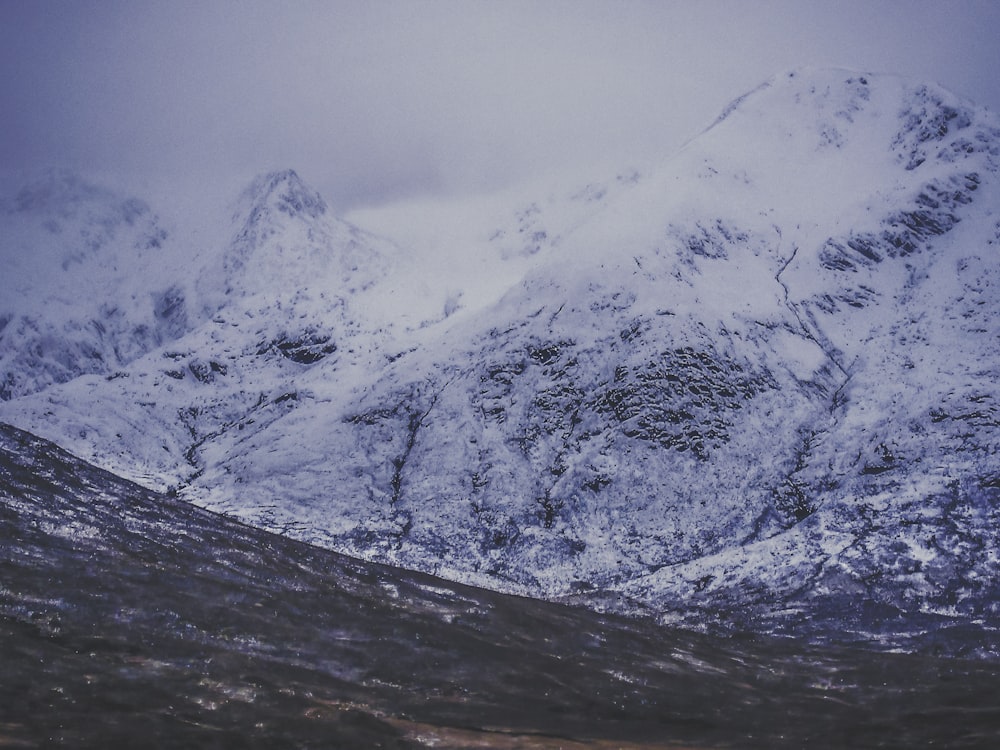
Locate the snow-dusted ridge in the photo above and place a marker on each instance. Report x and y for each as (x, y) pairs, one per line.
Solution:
(754, 386)
(90, 283)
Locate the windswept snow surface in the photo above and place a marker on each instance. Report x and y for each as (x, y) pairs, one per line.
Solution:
(754, 385)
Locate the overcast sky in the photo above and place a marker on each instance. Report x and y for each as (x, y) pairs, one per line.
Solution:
(375, 101)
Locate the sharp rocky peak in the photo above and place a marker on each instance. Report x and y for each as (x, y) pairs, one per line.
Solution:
(282, 191)
(285, 239)
(272, 204)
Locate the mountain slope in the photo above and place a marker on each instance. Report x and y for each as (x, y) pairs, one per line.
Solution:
(88, 284)
(757, 386)
(129, 618)
(263, 326)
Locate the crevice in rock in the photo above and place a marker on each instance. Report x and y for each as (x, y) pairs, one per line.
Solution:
(415, 420)
(805, 329)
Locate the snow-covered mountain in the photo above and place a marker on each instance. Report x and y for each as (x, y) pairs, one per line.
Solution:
(90, 283)
(756, 385)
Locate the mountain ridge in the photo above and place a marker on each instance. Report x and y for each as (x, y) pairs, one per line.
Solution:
(726, 391)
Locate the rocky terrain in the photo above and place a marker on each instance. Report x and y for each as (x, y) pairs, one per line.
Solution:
(751, 388)
(130, 618)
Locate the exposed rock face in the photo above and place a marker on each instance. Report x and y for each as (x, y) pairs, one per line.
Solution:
(753, 386)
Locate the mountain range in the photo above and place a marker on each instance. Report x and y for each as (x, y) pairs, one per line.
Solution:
(751, 387)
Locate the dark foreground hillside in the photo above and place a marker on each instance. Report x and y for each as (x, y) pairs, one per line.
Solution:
(132, 619)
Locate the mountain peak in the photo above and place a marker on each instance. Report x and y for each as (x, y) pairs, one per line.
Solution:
(284, 191)
(266, 209)
(61, 194)
(756, 386)
(56, 189)
(285, 239)
(841, 94)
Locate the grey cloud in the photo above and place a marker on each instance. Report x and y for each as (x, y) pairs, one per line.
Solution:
(376, 101)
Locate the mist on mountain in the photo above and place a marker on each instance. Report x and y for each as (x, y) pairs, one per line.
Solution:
(751, 386)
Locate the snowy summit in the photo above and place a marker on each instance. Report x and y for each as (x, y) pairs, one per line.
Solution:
(754, 385)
